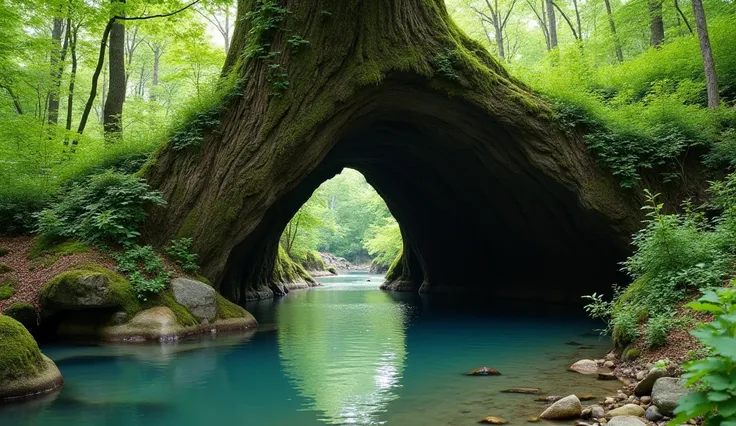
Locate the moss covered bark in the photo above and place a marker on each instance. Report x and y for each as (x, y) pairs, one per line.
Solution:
(396, 90)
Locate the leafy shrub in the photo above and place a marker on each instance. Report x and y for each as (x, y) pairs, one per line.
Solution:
(625, 327)
(658, 328)
(107, 207)
(180, 252)
(145, 270)
(715, 398)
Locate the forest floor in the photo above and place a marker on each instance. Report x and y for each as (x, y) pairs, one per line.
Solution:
(29, 273)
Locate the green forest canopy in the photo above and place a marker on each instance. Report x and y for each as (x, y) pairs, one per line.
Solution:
(640, 92)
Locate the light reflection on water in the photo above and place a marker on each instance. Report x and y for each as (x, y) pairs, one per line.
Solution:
(345, 353)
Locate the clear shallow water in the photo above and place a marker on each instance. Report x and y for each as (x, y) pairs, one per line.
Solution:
(345, 353)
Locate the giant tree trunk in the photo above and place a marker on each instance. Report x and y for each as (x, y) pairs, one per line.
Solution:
(656, 23)
(113, 113)
(491, 194)
(709, 65)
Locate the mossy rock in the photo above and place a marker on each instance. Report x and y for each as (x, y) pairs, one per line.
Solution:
(4, 269)
(24, 313)
(287, 271)
(7, 288)
(228, 310)
(90, 287)
(24, 371)
(631, 354)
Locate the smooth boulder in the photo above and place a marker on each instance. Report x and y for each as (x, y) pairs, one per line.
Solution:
(626, 410)
(585, 366)
(597, 412)
(91, 287)
(652, 414)
(666, 392)
(24, 371)
(197, 297)
(644, 387)
(626, 421)
(568, 407)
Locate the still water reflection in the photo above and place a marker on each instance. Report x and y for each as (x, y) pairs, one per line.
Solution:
(345, 353)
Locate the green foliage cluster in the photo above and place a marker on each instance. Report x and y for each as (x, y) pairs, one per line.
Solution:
(145, 270)
(346, 217)
(7, 288)
(19, 353)
(677, 256)
(202, 113)
(713, 376)
(180, 251)
(104, 208)
(444, 64)
(648, 112)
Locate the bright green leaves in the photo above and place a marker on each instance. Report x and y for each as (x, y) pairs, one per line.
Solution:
(714, 375)
(145, 270)
(180, 251)
(104, 208)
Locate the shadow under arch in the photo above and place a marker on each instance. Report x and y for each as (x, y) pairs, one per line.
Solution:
(479, 200)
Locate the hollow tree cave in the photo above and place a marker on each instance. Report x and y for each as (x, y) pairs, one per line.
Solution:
(491, 194)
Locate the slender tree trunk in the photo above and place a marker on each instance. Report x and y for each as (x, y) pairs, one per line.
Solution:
(569, 22)
(684, 18)
(499, 41)
(57, 64)
(656, 23)
(711, 80)
(226, 34)
(614, 34)
(552, 21)
(16, 101)
(72, 78)
(577, 18)
(113, 113)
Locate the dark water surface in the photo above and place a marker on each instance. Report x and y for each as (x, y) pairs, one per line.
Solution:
(345, 353)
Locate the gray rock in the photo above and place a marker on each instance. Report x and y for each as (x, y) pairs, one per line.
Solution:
(640, 375)
(653, 414)
(626, 421)
(197, 297)
(666, 392)
(644, 387)
(626, 410)
(597, 412)
(585, 366)
(645, 400)
(568, 407)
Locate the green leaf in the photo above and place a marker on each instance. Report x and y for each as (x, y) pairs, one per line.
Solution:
(718, 396)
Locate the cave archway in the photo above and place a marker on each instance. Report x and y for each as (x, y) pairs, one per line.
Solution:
(492, 195)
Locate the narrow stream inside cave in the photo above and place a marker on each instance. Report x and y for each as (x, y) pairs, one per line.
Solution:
(343, 353)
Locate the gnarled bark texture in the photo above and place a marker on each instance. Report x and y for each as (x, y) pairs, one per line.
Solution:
(490, 193)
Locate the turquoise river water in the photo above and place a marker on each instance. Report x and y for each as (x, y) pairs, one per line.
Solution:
(342, 354)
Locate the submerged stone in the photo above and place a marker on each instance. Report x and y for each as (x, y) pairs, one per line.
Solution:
(585, 366)
(483, 371)
(493, 421)
(523, 390)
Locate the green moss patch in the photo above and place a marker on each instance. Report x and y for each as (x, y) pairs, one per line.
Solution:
(166, 298)
(121, 293)
(227, 309)
(3, 251)
(66, 248)
(24, 313)
(7, 288)
(288, 271)
(4, 269)
(19, 353)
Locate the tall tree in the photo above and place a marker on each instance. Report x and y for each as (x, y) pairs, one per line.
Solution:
(113, 112)
(498, 19)
(656, 23)
(57, 64)
(614, 34)
(552, 21)
(711, 80)
(541, 19)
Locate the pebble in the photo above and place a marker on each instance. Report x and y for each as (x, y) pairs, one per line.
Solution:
(609, 364)
(646, 400)
(609, 400)
(641, 375)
